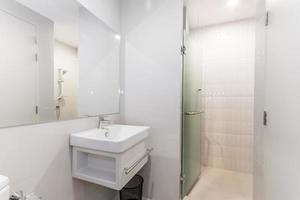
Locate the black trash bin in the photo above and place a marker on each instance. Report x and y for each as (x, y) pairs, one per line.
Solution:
(133, 190)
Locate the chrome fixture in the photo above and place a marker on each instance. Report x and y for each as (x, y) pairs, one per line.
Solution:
(132, 167)
(194, 113)
(103, 122)
(20, 195)
(60, 81)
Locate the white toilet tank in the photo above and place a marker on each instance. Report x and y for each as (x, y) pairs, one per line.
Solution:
(4, 188)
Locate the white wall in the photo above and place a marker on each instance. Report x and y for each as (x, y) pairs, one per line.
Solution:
(226, 55)
(152, 34)
(282, 138)
(37, 159)
(109, 11)
(45, 29)
(260, 61)
(65, 57)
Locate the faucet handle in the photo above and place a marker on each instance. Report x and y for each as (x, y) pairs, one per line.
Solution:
(102, 121)
(101, 118)
(20, 195)
(105, 122)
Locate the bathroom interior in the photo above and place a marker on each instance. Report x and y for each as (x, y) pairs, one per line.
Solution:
(149, 100)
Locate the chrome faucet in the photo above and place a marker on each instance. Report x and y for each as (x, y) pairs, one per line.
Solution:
(102, 123)
(20, 195)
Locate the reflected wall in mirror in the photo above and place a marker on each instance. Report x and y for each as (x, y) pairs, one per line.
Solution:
(52, 70)
(99, 66)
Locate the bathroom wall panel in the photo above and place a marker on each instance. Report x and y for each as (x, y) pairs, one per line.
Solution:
(226, 56)
(152, 32)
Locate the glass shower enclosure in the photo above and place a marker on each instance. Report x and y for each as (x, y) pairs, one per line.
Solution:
(191, 114)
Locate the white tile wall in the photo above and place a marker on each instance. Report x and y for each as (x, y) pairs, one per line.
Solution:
(226, 56)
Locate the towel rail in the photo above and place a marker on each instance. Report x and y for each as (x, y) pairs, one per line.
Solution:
(129, 169)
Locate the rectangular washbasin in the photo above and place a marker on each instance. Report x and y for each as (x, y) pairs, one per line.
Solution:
(113, 138)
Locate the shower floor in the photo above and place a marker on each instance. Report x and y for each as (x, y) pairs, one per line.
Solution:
(219, 184)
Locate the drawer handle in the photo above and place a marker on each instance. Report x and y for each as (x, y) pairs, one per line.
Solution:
(129, 169)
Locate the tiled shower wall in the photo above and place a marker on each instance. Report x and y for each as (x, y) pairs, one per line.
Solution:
(226, 55)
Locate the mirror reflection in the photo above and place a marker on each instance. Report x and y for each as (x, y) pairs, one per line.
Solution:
(57, 62)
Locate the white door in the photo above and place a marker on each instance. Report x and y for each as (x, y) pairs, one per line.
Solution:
(282, 101)
(18, 71)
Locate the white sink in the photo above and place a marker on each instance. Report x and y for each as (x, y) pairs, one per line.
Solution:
(114, 138)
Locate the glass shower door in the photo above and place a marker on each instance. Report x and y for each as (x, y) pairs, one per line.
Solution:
(191, 114)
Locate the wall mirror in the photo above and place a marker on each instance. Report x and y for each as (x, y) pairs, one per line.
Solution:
(58, 61)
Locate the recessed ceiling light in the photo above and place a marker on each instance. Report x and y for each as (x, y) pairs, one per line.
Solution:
(117, 37)
(233, 3)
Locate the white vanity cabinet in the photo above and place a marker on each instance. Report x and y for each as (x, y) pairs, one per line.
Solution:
(110, 158)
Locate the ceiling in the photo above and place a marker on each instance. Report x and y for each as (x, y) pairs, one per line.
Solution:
(209, 12)
(64, 14)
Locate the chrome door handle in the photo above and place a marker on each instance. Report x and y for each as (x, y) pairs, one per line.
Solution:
(194, 113)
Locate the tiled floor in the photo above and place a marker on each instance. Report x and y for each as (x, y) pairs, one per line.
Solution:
(218, 184)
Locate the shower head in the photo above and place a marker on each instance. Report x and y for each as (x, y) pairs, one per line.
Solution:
(64, 72)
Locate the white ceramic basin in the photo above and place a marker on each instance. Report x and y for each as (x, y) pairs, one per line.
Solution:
(114, 138)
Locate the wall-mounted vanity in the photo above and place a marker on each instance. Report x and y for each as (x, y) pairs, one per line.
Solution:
(110, 156)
